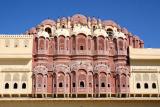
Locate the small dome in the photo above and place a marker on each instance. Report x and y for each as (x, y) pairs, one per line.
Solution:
(63, 21)
(119, 35)
(109, 23)
(99, 32)
(42, 33)
(125, 31)
(48, 22)
(78, 18)
(118, 27)
(94, 21)
(32, 31)
(136, 37)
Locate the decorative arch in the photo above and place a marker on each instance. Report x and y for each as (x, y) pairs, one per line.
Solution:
(40, 75)
(122, 78)
(95, 42)
(41, 41)
(101, 43)
(75, 66)
(101, 67)
(48, 30)
(68, 82)
(61, 42)
(40, 69)
(61, 67)
(82, 78)
(81, 41)
(61, 79)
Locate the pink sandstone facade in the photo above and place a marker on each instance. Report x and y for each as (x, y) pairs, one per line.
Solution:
(81, 56)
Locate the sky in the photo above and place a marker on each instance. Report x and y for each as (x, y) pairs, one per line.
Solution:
(140, 17)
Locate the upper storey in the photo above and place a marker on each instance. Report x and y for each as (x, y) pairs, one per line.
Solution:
(80, 24)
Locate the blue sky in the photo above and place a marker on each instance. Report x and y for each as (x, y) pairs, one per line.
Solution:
(141, 17)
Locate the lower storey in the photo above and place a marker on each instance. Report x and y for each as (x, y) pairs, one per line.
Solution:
(79, 102)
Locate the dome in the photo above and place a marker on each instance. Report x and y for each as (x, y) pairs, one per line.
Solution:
(32, 31)
(64, 19)
(119, 35)
(99, 32)
(119, 27)
(63, 32)
(109, 23)
(42, 33)
(94, 21)
(125, 31)
(48, 22)
(78, 18)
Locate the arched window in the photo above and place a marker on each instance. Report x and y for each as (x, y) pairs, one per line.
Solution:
(94, 28)
(60, 84)
(6, 86)
(81, 47)
(81, 42)
(146, 86)
(74, 84)
(41, 43)
(24, 86)
(154, 85)
(110, 32)
(102, 84)
(81, 84)
(61, 42)
(108, 85)
(48, 30)
(121, 44)
(101, 43)
(63, 26)
(138, 86)
(15, 86)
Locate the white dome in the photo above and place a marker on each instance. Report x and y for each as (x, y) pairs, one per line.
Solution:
(81, 29)
(63, 32)
(43, 34)
(119, 34)
(99, 32)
